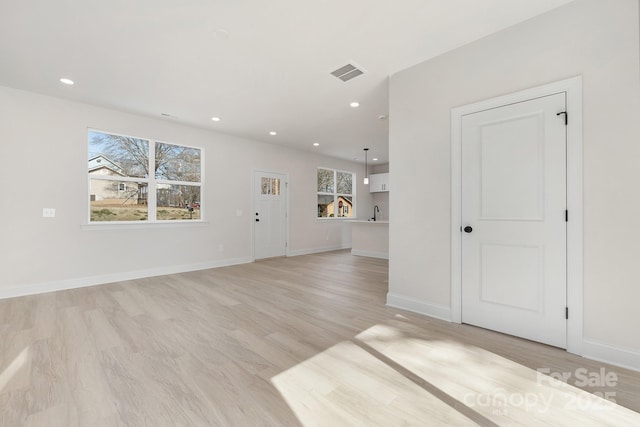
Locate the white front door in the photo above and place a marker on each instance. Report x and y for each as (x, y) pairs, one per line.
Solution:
(270, 214)
(513, 219)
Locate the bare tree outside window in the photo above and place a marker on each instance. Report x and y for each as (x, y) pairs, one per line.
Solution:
(131, 155)
(177, 163)
(325, 180)
(345, 182)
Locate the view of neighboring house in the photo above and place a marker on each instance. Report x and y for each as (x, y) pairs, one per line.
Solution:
(105, 192)
(345, 208)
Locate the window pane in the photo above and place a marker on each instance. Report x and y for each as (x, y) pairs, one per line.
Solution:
(177, 163)
(118, 200)
(345, 182)
(270, 186)
(325, 206)
(178, 202)
(116, 155)
(325, 181)
(266, 185)
(345, 206)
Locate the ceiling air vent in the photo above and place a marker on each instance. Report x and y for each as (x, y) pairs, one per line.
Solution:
(347, 72)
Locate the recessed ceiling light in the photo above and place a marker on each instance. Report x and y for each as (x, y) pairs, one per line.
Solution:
(215, 119)
(375, 159)
(315, 144)
(66, 81)
(355, 104)
(273, 133)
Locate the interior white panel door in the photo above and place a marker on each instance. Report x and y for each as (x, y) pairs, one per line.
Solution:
(513, 219)
(270, 216)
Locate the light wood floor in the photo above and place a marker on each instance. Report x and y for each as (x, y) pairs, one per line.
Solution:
(302, 341)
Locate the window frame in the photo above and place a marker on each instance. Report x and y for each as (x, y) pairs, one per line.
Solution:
(336, 195)
(151, 188)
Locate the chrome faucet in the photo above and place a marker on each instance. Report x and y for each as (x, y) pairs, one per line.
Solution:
(375, 209)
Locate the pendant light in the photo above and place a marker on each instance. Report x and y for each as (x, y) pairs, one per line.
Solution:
(366, 168)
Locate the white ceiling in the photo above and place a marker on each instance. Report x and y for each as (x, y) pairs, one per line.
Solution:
(258, 65)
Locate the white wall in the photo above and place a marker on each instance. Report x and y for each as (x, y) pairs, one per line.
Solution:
(596, 39)
(44, 160)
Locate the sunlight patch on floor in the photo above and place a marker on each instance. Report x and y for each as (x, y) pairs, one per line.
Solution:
(346, 385)
(14, 367)
(497, 388)
(388, 376)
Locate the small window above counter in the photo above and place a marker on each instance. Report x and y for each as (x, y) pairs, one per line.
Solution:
(379, 182)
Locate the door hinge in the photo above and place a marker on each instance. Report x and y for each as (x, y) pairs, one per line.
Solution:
(566, 117)
(566, 215)
(566, 312)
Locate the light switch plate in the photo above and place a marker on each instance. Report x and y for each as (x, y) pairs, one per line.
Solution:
(48, 212)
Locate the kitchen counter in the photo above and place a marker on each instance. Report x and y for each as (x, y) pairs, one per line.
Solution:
(370, 238)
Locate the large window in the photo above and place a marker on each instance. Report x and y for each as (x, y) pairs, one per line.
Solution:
(134, 179)
(335, 194)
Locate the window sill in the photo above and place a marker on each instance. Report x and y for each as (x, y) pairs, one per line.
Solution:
(142, 226)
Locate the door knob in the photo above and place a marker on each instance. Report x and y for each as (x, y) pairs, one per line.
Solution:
(468, 229)
(257, 219)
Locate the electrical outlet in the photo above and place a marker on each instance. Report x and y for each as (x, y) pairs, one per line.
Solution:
(48, 212)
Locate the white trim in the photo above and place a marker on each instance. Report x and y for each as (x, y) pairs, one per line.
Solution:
(370, 254)
(132, 225)
(602, 352)
(411, 304)
(311, 251)
(185, 183)
(575, 227)
(572, 87)
(81, 282)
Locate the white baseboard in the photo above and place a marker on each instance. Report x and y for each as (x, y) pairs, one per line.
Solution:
(602, 352)
(592, 349)
(370, 254)
(81, 282)
(417, 306)
(317, 250)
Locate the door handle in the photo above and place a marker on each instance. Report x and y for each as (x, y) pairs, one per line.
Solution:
(468, 229)
(257, 219)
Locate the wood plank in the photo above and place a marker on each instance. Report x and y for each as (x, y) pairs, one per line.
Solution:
(300, 341)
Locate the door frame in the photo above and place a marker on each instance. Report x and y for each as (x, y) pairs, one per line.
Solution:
(254, 207)
(572, 87)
